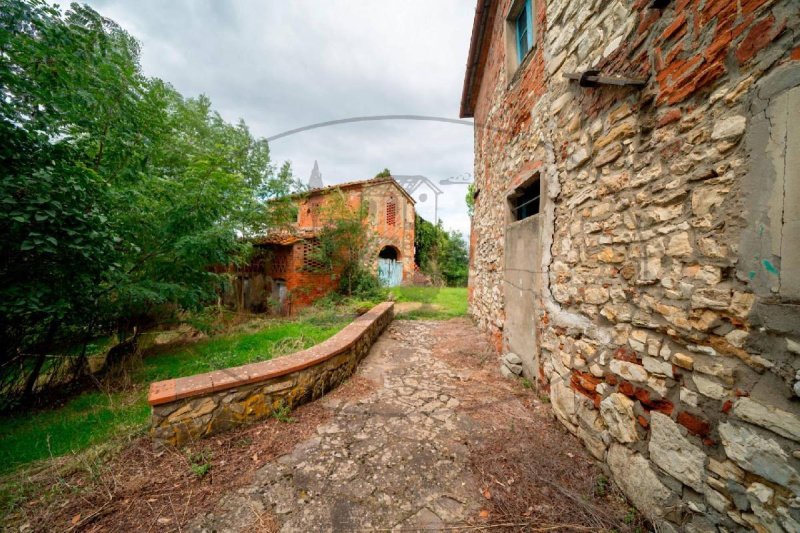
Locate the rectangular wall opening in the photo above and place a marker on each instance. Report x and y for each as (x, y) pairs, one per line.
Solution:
(525, 201)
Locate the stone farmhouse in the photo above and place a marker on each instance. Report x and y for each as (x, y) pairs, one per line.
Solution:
(285, 273)
(636, 239)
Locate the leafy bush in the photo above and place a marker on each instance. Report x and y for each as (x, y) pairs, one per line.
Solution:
(118, 193)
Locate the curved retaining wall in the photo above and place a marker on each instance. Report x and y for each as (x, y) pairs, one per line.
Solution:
(196, 406)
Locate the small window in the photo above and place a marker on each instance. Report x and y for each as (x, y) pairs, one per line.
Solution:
(391, 212)
(520, 35)
(524, 31)
(526, 200)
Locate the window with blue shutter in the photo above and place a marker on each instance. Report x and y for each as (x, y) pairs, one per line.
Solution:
(524, 30)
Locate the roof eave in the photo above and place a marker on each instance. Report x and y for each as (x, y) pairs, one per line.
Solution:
(475, 59)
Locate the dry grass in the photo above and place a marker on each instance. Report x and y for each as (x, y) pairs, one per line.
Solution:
(533, 474)
(134, 487)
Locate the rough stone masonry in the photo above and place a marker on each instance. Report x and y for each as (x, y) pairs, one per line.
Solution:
(654, 287)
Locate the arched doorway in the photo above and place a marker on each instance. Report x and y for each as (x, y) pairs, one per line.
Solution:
(390, 270)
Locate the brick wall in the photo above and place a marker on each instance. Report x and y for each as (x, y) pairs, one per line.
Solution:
(668, 340)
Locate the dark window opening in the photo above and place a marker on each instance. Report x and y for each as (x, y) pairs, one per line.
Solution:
(526, 200)
(388, 252)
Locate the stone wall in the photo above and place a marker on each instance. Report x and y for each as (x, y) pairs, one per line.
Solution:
(668, 327)
(189, 408)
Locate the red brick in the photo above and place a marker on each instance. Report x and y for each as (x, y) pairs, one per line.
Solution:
(662, 406)
(678, 68)
(669, 117)
(626, 354)
(676, 29)
(748, 6)
(586, 380)
(694, 83)
(674, 53)
(726, 407)
(626, 389)
(760, 35)
(643, 395)
(719, 44)
(696, 425)
(577, 385)
(646, 20)
(658, 59)
(717, 9)
(642, 421)
(795, 55)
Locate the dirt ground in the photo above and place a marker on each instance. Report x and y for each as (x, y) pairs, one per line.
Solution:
(426, 436)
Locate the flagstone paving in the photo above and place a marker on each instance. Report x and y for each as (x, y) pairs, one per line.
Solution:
(397, 458)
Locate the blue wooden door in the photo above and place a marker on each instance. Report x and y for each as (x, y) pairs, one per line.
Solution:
(390, 272)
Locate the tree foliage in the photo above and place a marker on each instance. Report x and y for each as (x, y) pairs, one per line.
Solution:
(118, 193)
(469, 198)
(442, 255)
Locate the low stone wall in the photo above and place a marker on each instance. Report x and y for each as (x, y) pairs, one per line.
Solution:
(192, 407)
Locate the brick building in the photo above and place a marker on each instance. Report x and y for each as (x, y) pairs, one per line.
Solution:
(284, 273)
(636, 239)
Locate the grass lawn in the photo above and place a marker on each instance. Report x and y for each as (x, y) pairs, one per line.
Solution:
(438, 303)
(95, 417)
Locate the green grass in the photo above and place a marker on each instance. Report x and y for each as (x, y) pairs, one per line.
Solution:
(94, 417)
(238, 349)
(438, 303)
(88, 419)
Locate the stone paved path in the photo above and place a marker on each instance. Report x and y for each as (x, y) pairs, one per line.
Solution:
(395, 459)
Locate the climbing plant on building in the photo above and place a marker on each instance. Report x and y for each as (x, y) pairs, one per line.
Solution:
(347, 246)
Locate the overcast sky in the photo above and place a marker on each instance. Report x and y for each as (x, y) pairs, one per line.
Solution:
(282, 64)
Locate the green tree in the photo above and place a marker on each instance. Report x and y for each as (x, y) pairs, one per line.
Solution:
(385, 173)
(455, 260)
(469, 198)
(442, 255)
(118, 193)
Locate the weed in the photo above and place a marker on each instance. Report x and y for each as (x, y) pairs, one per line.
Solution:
(600, 486)
(526, 383)
(630, 518)
(544, 398)
(200, 470)
(281, 413)
(200, 463)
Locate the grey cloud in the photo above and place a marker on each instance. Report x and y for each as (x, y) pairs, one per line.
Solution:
(281, 65)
